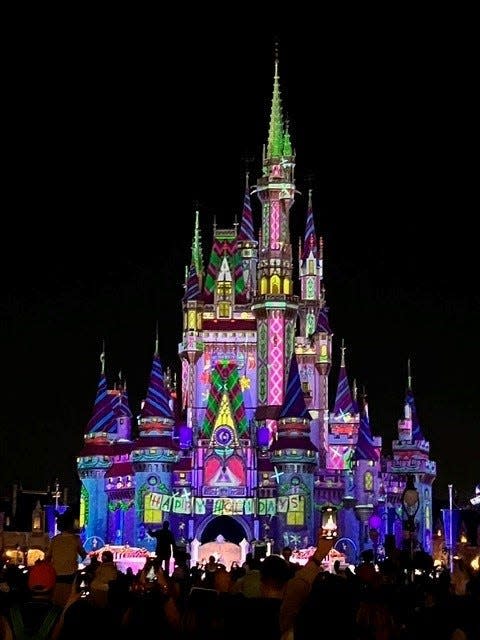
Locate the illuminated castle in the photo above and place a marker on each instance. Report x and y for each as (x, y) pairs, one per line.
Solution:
(258, 453)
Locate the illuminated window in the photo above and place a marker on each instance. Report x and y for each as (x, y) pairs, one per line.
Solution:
(311, 267)
(286, 286)
(297, 517)
(224, 289)
(182, 476)
(368, 481)
(275, 285)
(151, 512)
(224, 310)
(263, 285)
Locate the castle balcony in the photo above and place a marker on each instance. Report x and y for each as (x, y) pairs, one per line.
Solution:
(418, 445)
(342, 439)
(412, 465)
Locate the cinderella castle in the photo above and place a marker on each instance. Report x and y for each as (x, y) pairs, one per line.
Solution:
(250, 448)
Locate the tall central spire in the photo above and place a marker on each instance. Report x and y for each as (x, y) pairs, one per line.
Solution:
(197, 257)
(276, 131)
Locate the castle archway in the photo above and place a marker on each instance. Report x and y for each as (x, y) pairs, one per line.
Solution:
(224, 537)
(231, 528)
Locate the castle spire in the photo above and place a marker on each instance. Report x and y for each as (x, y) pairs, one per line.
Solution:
(411, 409)
(102, 420)
(294, 403)
(246, 226)
(156, 340)
(343, 399)
(276, 130)
(310, 238)
(192, 285)
(287, 142)
(323, 324)
(157, 400)
(197, 254)
(365, 447)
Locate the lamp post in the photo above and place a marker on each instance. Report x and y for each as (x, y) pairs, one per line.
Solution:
(410, 505)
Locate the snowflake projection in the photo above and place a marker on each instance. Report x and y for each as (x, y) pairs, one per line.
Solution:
(244, 383)
(276, 476)
(295, 539)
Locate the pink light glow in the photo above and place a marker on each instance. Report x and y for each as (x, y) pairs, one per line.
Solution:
(275, 224)
(276, 349)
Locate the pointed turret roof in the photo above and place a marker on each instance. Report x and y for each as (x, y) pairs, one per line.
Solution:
(192, 285)
(365, 449)
(310, 239)
(102, 420)
(246, 225)
(276, 130)
(323, 325)
(343, 399)
(410, 402)
(157, 400)
(294, 402)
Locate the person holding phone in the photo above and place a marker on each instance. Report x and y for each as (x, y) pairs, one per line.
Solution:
(299, 587)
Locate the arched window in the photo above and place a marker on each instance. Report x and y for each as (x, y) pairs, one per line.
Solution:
(368, 481)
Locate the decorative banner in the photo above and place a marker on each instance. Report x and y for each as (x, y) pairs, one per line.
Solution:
(294, 503)
(166, 503)
(217, 509)
(200, 506)
(155, 501)
(248, 506)
(271, 506)
(185, 504)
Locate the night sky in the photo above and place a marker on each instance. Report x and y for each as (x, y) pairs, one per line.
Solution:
(113, 135)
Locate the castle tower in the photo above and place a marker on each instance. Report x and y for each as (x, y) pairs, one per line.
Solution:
(154, 454)
(344, 423)
(367, 475)
(411, 456)
(294, 457)
(310, 268)
(191, 347)
(314, 344)
(94, 461)
(275, 306)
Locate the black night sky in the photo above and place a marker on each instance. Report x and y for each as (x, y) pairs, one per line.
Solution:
(112, 136)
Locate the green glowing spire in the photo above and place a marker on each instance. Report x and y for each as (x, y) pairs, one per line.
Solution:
(197, 258)
(287, 143)
(275, 133)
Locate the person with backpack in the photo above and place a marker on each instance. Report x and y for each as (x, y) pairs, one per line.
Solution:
(37, 618)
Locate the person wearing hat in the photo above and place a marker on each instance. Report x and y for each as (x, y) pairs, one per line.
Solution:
(38, 617)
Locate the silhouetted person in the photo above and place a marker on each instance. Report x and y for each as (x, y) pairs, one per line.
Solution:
(165, 544)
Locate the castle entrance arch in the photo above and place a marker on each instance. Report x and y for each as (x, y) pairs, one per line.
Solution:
(224, 537)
